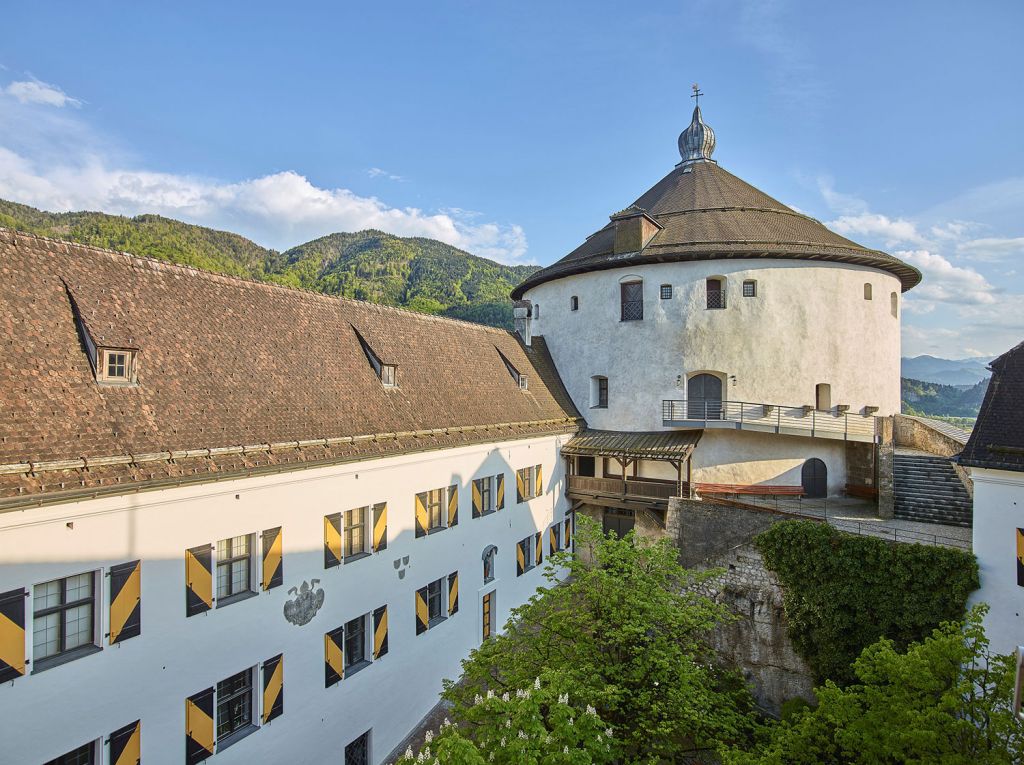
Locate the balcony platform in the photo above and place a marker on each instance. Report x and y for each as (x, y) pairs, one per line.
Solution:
(803, 421)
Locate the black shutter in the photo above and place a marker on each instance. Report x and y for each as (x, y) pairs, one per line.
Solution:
(273, 688)
(125, 745)
(125, 601)
(12, 634)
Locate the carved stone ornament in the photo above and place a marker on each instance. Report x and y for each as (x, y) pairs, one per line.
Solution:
(307, 601)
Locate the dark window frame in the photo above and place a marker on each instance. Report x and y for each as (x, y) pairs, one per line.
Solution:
(574, 303)
(715, 295)
(350, 530)
(435, 597)
(602, 392)
(357, 751)
(752, 292)
(240, 706)
(438, 506)
(355, 654)
(631, 306)
(232, 594)
(82, 755)
(666, 292)
(486, 488)
(63, 652)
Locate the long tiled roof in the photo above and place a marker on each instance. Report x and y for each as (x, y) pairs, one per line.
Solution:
(997, 440)
(234, 376)
(707, 213)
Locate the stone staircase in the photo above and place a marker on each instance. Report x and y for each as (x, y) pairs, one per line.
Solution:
(928, 490)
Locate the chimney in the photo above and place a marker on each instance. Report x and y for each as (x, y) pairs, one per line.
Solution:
(522, 317)
(634, 229)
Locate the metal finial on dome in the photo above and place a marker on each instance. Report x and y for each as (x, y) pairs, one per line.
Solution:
(697, 142)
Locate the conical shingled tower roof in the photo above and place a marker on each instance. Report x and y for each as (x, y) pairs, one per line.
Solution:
(707, 213)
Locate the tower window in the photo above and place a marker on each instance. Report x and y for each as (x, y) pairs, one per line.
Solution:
(867, 291)
(666, 291)
(599, 392)
(894, 304)
(632, 301)
(536, 310)
(750, 288)
(574, 303)
(716, 293)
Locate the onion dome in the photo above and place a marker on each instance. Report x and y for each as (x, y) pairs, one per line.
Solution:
(697, 142)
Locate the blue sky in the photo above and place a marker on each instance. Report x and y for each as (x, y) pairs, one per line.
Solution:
(514, 129)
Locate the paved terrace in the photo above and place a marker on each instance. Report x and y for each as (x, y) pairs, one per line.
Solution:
(858, 516)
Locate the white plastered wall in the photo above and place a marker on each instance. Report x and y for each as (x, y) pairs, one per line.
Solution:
(149, 677)
(998, 513)
(808, 324)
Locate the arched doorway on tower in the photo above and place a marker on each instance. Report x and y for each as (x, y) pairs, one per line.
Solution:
(704, 397)
(814, 479)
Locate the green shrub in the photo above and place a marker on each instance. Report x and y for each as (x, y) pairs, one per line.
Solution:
(844, 592)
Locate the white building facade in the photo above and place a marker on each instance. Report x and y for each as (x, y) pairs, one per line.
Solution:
(266, 537)
(995, 457)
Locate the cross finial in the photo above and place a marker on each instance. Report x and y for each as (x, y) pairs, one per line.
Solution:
(696, 93)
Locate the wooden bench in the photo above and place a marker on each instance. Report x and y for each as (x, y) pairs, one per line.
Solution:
(737, 488)
(861, 492)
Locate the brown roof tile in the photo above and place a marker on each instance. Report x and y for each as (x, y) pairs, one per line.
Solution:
(225, 362)
(707, 213)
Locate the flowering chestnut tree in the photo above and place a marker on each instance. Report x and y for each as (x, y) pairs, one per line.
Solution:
(534, 726)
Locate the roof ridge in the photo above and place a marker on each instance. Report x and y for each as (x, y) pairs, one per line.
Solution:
(157, 264)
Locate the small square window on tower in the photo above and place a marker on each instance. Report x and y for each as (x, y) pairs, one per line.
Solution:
(749, 288)
(666, 291)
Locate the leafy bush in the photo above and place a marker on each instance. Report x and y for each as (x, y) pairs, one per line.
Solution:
(843, 592)
(945, 700)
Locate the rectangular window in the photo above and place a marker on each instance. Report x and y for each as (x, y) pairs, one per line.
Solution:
(234, 704)
(355, 641)
(716, 294)
(485, 494)
(602, 392)
(63, 616)
(528, 482)
(666, 291)
(389, 375)
(435, 599)
(435, 508)
(750, 288)
(528, 553)
(115, 366)
(358, 752)
(556, 538)
(487, 615)
(83, 755)
(632, 298)
(234, 568)
(355, 532)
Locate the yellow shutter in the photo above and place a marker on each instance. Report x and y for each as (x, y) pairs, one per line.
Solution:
(273, 573)
(380, 526)
(273, 688)
(380, 632)
(422, 521)
(477, 500)
(125, 601)
(332, 540)
(453, 505)
(334, 657)
(199, 738)
(198, 580)
(12, 634)
(126, 744)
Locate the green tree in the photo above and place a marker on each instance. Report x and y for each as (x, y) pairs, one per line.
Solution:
(945, 700)
(536, 726)
(629, 634)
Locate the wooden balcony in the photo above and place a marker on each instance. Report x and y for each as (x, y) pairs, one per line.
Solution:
(631, 493)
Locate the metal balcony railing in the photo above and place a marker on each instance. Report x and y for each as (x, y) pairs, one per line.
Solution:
(774, 417)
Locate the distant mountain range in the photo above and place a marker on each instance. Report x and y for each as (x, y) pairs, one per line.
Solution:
(933, 399)
(417, 273)
(946, 371)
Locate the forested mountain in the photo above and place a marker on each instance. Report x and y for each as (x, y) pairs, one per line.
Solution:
(945, 371)
(929, 399)
(422, 274)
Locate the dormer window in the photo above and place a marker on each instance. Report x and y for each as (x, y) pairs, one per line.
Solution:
(115, 365)
(517, 376)
(388, 373)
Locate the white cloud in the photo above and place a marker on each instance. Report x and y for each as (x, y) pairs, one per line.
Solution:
(991, 249)
(893, 231)
(279, 210)
(35, 91)
(376, 172)
(946, 283)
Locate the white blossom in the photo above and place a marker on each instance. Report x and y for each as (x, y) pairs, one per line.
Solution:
(591, 710)
(536, 684)
(563, 698)
(428, 736)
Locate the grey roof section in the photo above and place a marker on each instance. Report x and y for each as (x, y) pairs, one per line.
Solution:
(997, 441)
(959, 435)
(707, 213)
(655, 445)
